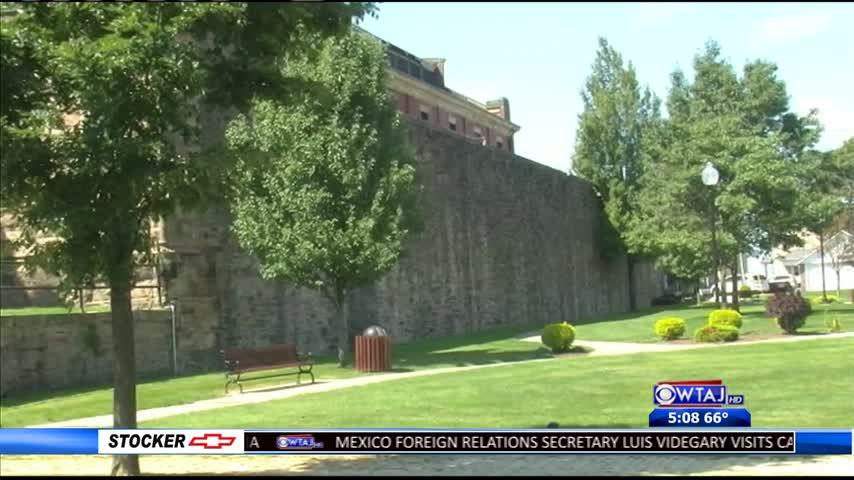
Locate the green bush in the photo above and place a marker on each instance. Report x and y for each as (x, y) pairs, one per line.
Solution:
(791, 311)
(726, 317)
(716, 333)
(558, 337)
(670, 328)
(820, 299)
(745, 291)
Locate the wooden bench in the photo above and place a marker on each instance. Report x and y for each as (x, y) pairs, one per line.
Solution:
(244, 360)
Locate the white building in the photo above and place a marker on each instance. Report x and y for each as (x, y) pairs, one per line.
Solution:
(805, 263)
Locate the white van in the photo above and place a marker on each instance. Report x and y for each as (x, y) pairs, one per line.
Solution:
(757, 283)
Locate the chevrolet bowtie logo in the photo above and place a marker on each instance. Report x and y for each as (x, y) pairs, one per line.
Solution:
(212, 441)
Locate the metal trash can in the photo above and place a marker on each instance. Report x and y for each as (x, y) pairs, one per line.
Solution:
(373, 350)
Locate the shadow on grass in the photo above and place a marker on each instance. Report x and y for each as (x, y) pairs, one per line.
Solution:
(430, 353)
(519, 465)
(579, 426)
(6, 400)
(806, 333)
(272, 388)
(467, 358)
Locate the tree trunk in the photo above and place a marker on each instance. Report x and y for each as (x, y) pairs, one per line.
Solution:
(821, 248)
(80, 300)
(343, 326)
(124, 369)
(716, 259)
(838, 279)
(735, 291)
(630, 263)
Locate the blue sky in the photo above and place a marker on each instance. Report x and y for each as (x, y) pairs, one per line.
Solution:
(539, 54)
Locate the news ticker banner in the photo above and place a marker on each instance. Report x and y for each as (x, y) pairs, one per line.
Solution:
(84, 441)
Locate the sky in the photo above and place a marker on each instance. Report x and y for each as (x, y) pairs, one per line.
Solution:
(538, 55)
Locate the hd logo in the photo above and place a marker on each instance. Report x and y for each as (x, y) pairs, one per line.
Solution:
(707, 393)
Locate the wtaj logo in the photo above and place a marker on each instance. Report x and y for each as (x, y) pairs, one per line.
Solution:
(706, 393)
(297, 442)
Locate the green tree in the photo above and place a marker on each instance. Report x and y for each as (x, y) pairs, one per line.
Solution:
(843, 164)
(609, 143)
(325, 185)
(827, 202)
(821, 200)
(743, 127)
(102, 110)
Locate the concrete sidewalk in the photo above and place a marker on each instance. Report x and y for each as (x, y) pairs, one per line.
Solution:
(278, 393)
(623, 348)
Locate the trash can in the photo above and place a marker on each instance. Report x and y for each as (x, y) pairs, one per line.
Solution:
(373, 350)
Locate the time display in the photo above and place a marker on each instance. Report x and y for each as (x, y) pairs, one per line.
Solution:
(699, 417)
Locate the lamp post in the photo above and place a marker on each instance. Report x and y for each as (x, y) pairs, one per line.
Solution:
(710, 178)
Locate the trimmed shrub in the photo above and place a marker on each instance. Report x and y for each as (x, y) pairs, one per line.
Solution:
(558, 337)
(726, 317)
(819, 300)
(716, 333)
(745, 291)
(670, 328)
(790, 310)
(666, 299)
(833, 324)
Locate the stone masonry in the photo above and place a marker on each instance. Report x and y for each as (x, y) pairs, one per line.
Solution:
(506, 241)
(39, 352)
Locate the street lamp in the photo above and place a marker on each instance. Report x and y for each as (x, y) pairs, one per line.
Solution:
(710, 177)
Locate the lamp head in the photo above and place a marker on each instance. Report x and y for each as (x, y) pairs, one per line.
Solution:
(710, 175)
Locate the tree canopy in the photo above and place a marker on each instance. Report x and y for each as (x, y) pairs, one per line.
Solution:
(324, 191)
(102, 111)
(609, 140)
(743, 126)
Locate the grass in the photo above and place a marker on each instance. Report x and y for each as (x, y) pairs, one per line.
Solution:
(844, 295)
(639, 328)
(610, 392)
(494, 346)
(9, 312)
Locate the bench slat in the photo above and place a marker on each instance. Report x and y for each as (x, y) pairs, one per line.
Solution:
(273, 356)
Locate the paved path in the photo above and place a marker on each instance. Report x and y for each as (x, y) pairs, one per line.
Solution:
(622, 348)
(265, 395)
(439, 465)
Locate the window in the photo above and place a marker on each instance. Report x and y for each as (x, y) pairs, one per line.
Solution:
(452, 123)
(499, 142)
(479, 135)
(425, 113)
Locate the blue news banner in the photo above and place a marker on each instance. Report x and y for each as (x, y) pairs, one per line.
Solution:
(83, 441)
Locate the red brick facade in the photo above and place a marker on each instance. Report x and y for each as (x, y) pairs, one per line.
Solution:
(411, 107)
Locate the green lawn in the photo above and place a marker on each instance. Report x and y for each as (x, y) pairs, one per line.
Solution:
(844, 295)
(639, 328)
(8, 312)
(495, 346)
(777, 380)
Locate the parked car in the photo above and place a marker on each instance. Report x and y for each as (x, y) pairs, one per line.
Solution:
(783, 283)
(757, 283)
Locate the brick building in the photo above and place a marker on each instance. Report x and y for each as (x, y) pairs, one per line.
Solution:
(418, 87)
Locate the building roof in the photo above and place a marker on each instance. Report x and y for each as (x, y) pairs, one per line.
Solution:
(428, 70)
(797, 256)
